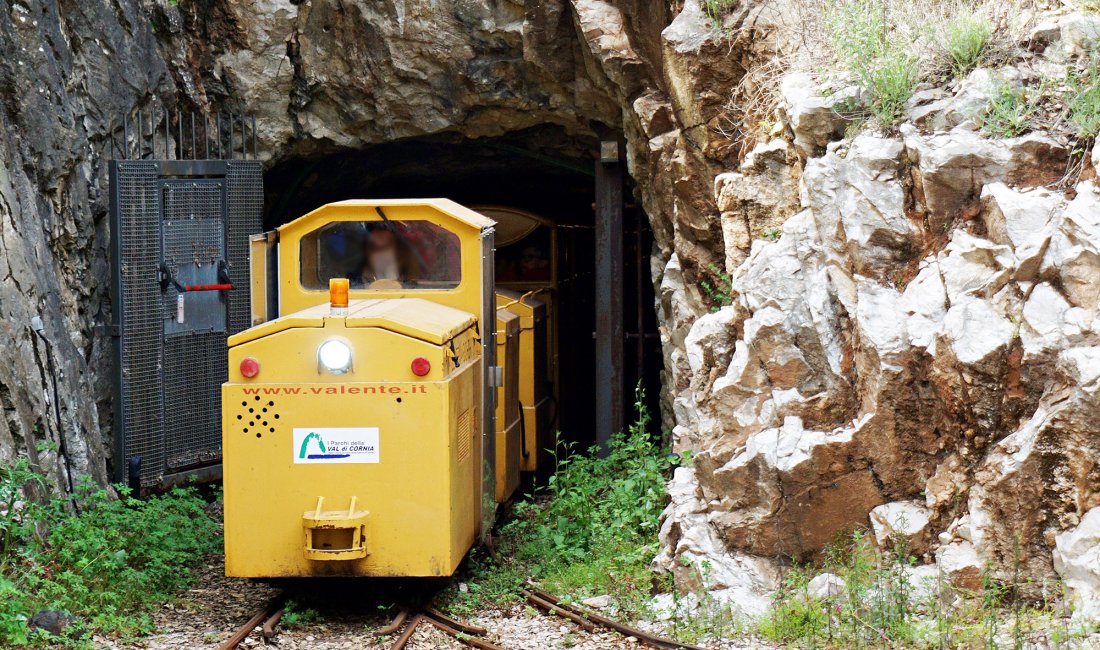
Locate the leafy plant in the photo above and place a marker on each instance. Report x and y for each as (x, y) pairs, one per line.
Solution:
(106, 564)
(1010, 112)
(295, 616)
(966, 39)
(866, 46)
(592, 529)
(1083, 105)
(881, 606)
(716, 9)
(720, 291)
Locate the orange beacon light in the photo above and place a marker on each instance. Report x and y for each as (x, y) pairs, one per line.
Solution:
(338, 296)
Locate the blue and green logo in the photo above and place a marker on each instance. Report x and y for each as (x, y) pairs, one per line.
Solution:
(313, 436)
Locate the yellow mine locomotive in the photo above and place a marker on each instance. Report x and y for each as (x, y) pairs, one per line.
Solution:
(379, 407)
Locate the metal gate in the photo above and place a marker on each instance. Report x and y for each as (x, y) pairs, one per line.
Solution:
(179, 243)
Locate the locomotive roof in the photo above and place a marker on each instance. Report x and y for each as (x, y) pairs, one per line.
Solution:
(415, 317)
(447, 207)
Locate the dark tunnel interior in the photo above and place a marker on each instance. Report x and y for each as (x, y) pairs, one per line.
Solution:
(542, 171)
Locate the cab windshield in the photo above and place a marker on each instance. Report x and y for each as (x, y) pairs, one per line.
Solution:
(382, 256)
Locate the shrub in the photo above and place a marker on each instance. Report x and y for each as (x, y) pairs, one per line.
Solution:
(720, 290)
(966, 39)
(591, 530)
(867, 45)
(1083, 105)
(106, 564)
(1010, 112)
(716, 9)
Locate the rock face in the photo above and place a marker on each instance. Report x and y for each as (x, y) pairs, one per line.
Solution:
(62, 68)
(917, 352)
(913, 342)
(320, 77)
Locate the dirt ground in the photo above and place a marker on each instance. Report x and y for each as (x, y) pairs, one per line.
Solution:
(350, 613)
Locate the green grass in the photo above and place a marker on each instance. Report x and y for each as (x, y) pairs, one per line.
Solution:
(867, 45)
(717, 9)
(966, 40)
(880, 608)
(1083, 104)
(1010, 112)
(592, 530)
(720, 288)
(109, 563)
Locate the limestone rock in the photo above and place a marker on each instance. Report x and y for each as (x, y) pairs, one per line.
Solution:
(815, 120)
(1077, 561)
(1035, 481)
(955, 166)
(825, 585)
(1079, 32)
(907, 520)
(960, 565)
(1073, 256)
(758, 198)
(968, 104)
(687, 540)
(1021, 220)
(858, 203)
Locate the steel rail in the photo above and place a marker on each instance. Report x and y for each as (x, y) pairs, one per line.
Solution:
(643, 637)
(271, 622)
(403, 640)
(558, 610)
(243, 631)
(463, 637)
(432, 612)
(394, 625)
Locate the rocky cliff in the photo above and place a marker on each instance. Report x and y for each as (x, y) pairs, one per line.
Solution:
(320, 77)
(914, 351)
(911, 339)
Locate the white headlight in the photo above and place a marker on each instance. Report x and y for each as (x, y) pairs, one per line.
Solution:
(335, 356)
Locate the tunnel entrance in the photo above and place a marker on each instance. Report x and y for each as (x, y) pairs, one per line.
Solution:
(543, 172)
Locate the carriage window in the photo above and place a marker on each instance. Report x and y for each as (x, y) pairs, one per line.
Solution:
(382, 255)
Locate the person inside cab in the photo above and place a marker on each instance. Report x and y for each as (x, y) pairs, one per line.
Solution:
(387, 262)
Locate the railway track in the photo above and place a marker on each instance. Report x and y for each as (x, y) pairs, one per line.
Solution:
(409, 619)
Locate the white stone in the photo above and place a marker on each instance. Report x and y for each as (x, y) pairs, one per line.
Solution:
(1080, 33)
(972, 266)
(1077, 561)
(812, 117)
(925, 302)
(1022, 220)
(960, 564)
(976, 330)
(688, 540)
(597, 602)
(905, 519)
(826, 585)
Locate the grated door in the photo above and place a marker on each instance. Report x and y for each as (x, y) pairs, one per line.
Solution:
(180, 287)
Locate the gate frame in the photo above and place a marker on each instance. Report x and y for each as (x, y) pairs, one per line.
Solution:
(125, 470)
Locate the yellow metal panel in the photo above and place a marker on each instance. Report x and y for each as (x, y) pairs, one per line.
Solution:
(509, 417)
(337, 211)
(418, 503)
(258, 246)
(413, 317)
(463, 222)
(533, 386)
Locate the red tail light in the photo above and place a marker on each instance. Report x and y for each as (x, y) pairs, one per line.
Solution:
(421, 366)
(250, 367)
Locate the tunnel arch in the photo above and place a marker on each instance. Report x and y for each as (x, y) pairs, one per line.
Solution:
(544, 171)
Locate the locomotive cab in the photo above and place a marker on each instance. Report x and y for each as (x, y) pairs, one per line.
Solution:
(359, 414)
